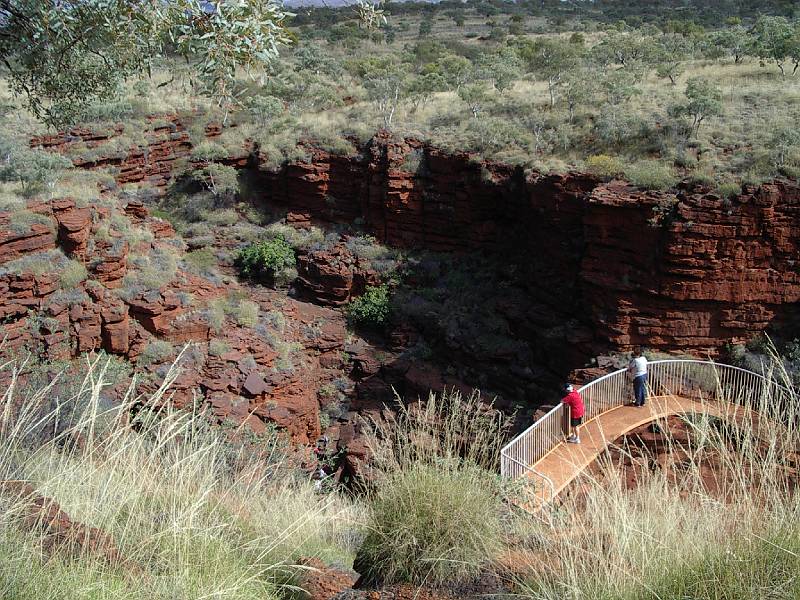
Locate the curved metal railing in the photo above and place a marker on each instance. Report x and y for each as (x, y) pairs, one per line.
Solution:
(678, 377)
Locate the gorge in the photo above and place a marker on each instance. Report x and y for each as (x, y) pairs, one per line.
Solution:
(584, 269)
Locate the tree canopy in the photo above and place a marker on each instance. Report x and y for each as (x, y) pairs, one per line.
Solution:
(59, 56)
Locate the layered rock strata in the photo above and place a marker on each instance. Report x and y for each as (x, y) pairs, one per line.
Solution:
(616, 266)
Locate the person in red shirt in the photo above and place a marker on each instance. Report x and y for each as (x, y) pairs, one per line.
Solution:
(576, 410)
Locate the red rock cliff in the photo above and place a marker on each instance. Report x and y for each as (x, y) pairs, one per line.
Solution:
(688, 271)
(611, 265)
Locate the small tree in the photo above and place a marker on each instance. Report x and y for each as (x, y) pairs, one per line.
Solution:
(348, 35)
(386, 86)
(615, 122)
(619, 86)
(734, 41)
(578, 87)
(703, 100)
(425, 27)
(626, 49)
(540, 130)
(773, 40)
(475, 96)
(386, 82)
(503, 68)
(785, 148)
(60, 55)
(551, 60)
(515, 28)
(422, 88)
(456, 70)
(487, 9)
(670, 54)
(311, 58)
(265, 109)
(794, 48)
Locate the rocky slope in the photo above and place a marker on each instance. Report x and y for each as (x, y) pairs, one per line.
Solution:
(270, 371)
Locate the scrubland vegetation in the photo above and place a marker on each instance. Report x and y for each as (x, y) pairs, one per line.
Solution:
(651, 96)
(192, 511)
(665, 99)
(186, 509)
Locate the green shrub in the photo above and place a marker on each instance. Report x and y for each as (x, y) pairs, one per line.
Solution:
(651, 175)
(72, 274)
(604, 165)
(156, 351)
(247, 313)
(208, 150)
(729, 189)
(432, 524)
(372, 307)
(264, 260)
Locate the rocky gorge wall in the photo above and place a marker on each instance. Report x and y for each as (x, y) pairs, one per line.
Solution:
(604, 266)
(584, 268)
(609, 264)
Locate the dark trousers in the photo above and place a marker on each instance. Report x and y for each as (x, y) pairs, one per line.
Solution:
(640, 389)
